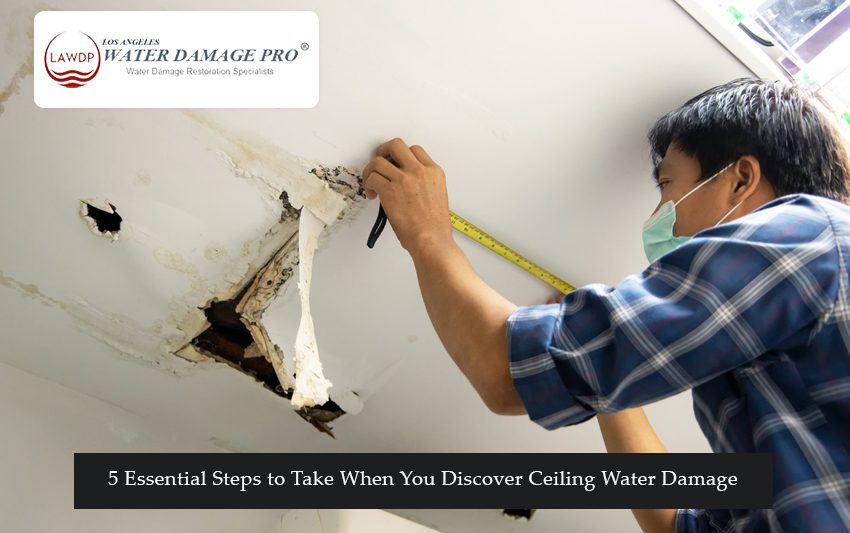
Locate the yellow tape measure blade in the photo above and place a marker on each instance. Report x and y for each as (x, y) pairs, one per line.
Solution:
(485, 239)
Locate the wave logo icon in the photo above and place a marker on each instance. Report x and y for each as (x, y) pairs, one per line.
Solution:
(72, 59)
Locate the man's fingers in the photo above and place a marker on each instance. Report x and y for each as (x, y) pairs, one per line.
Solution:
(382, 167)
(375, 184)
(387, 169)
(422, 156)
(398, 150)
(392, 158)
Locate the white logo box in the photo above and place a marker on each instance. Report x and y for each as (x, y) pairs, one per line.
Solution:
(176, 59)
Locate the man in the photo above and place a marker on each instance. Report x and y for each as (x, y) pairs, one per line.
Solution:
(745, 300)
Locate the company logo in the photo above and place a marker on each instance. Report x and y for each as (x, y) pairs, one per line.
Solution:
(72, 59)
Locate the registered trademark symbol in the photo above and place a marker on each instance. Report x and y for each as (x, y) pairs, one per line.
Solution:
(304, 46)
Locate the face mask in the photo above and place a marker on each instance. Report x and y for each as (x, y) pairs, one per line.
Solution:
(658, 238)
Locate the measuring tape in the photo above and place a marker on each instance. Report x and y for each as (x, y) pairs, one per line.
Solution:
(485, 239)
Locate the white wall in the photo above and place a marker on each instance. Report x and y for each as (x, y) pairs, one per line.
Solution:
(43, 424)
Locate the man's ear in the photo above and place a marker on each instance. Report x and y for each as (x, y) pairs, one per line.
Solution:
(748, 175)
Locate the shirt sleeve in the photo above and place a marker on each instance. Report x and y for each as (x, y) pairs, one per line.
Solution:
(693, 521)
(716, 302)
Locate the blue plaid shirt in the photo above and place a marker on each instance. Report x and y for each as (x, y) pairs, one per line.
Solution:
(754, 316)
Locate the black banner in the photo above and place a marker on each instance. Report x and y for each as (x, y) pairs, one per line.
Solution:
(421, 480)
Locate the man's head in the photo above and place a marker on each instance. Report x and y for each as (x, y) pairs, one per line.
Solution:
(778, 139)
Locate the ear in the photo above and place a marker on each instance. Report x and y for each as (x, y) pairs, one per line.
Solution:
(747, 175)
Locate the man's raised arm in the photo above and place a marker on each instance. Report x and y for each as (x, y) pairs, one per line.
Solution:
(468, 315)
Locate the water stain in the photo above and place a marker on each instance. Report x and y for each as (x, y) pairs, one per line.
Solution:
(215, 252)
(15, 83)
(174, 261)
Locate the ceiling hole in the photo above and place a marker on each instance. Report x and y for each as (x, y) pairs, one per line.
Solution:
(106, 222)
(518, 513)
(228, 340)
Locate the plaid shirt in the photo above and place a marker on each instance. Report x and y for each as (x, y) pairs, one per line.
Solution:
(754, 316)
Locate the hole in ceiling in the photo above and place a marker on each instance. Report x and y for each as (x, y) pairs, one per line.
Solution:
(236, 336)
(229, 341)
(106, 222)
(518, 513)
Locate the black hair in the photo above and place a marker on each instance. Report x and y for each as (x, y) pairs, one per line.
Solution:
(797, 142)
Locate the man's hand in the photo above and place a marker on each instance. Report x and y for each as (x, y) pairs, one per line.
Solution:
(412, 190)
(467, 314)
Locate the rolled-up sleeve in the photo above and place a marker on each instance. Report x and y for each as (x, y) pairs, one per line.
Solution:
(719, 300)
(537, 378)
(693, 521)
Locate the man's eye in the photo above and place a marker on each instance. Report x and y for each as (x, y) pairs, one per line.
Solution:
(660, 185)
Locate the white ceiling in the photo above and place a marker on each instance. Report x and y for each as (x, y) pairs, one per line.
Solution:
(538, 116)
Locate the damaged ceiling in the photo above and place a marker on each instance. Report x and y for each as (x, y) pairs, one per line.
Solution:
(154, 259)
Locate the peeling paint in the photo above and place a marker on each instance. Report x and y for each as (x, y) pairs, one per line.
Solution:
(341, 179)
(274, 170)
(187, 313)
(286, 185)
(189, 353)
(223, 341)
(252, 351)
(259, 294)
(284, 177)
(267, 189)
(311, 386)
(289, 211)
(280, 175)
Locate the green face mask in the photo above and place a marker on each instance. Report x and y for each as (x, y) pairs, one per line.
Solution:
(658, 238)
